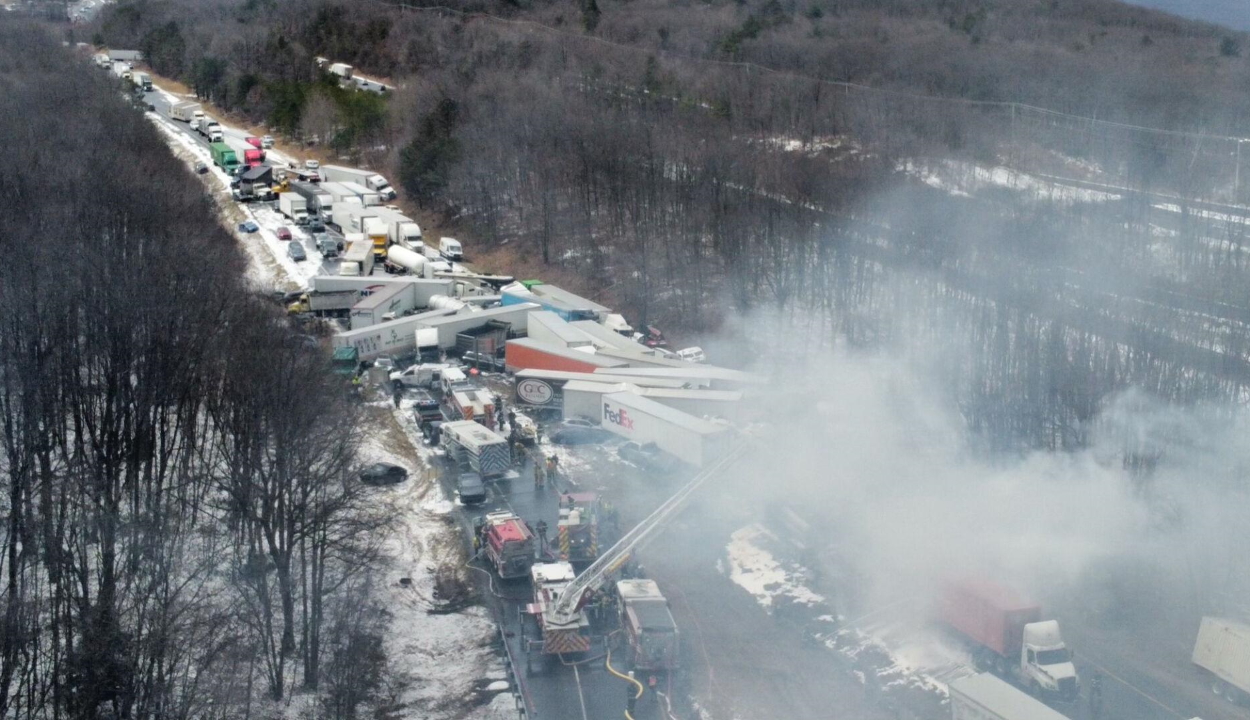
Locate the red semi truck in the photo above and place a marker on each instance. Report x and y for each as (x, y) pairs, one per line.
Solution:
(1008, 636)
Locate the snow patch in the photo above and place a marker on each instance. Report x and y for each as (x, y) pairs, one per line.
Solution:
(757, 571)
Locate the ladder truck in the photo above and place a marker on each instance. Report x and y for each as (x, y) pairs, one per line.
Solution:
(558, 607)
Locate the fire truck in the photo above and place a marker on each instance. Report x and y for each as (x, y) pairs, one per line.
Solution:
(648, 626)
(556, 635)
(577, 530)
(560, 595)
(508, 543)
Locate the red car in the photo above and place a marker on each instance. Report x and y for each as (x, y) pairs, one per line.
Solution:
(284, 233)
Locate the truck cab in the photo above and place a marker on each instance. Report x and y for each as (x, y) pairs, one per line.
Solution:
(1046, 662)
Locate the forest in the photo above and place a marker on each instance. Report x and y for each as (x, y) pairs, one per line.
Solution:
(642, 152)
(178, 516)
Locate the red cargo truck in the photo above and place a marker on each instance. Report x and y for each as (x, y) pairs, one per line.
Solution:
(1007, 636)
(253, 157)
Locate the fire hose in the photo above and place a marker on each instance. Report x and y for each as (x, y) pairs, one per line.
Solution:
(628, 678)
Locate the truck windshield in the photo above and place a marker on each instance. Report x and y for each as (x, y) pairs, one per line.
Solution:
(1052, 657)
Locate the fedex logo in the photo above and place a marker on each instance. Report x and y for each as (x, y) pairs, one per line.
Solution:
(620, 417)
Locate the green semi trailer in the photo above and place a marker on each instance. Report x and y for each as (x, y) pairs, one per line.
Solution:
(224, 157)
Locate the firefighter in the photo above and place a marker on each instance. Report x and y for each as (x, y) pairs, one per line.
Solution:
(518, 452)
(540, 476)
(512, 418)
(1095, 696)
(477, 544)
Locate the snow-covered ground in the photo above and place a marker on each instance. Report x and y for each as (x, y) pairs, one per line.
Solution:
(964, 179)
(442, 655)
(888, 654)
(444, 660)
(756, 570)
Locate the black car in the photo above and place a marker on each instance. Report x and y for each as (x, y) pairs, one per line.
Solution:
(471, 488)
(383, 474)
(201, 168)
(579, 435)
(648, 457)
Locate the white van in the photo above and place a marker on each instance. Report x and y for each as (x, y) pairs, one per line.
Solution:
(692, 354)
(450, 248)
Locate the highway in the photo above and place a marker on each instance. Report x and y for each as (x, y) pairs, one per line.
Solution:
(328, 266)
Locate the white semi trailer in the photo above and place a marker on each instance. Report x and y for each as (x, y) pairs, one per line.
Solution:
(1223, 651)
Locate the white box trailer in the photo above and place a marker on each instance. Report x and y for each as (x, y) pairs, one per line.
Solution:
(546, 326)
(360, 256)
(699, 403)
(642, 357)
(387, 303)
(695, 375)
(424, 288)
(402, 229)
(341, 194)
(451, 326)
(184, 111)
(1223, 650)
(368, 178)
(585, 399)
(367, 197)
(346, 216)
(394, 337)
(318, 201)
(605, 337)
(985, 697)
(544, 389)
(684, 436)
(294, 206)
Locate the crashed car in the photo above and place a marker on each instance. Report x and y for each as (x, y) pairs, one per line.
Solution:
(648, 457)
(383, 474)
(579, 435)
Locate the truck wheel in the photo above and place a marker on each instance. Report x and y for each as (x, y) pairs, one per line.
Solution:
(1035, 690)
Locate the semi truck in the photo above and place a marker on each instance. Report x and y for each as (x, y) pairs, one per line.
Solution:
(326, 303)
(293, 206)
(317, 199)
(224, 157)
(400, 259)
(985, 697)
(469, 444)
(142, 80)
(367, 178)
(1222, 651)
(375, 229)
(1007, 636)
(366, 196)
(648, 626)
(358, 260)
(385, 303)
(343, 70)
(184, 111)
(507, 542)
